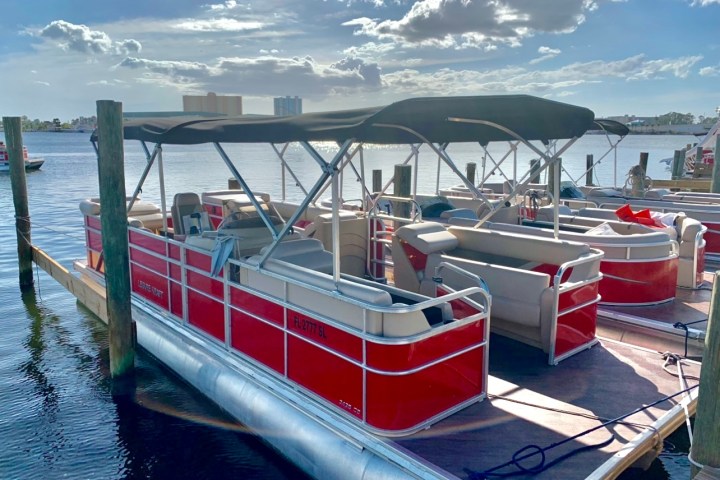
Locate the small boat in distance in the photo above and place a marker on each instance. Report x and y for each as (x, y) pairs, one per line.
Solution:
(30, 163)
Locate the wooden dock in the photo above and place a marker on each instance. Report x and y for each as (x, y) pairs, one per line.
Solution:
(533, 404)
(686, 184)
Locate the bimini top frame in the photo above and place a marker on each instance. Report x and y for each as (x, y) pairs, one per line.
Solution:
(412, 121)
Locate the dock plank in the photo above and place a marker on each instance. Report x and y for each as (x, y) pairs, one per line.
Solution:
(91, 296)
(529, 402)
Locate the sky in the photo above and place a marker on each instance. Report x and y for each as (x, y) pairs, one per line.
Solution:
(616, 57)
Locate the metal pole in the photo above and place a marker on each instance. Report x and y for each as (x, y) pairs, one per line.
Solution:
(715, 184)
(113, 220)
(556, 171)
(13, 138)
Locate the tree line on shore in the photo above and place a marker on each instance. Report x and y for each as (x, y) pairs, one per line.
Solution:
(55, 125)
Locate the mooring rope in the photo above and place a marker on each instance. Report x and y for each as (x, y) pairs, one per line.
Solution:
(684, 326)
(39, 225)
(529, 451)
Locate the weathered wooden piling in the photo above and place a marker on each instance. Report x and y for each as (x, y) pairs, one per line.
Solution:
(644, 161)
(113, 219)
(715, 183)
(376, 180)
(678, 165)
(554, 169)
(589, 166)
(705, 448)
(470, 169)
(402, 184)
(13, 140)
(698, 156)
(535, 170)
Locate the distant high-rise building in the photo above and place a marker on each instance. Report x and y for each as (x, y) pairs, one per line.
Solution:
(225, 104)
(288, 105)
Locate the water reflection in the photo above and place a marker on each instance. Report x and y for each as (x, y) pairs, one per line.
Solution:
(79, 422)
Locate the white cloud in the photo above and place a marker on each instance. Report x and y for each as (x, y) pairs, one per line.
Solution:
(218, 25)
(517, 79)
(705, 3)
(546, 53)
(474, 23)
(710, 71)
(229, 5)
(265, 75)
(80, 38)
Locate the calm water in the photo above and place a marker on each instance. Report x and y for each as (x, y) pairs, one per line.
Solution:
(58, 416)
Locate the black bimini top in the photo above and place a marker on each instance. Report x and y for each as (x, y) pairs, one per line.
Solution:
(530, 117)
(611, 126)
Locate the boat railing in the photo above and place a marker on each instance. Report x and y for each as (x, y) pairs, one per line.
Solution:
(561, 287)
(380, 238)
(275, 315)
(577, 203)
(463, 295)
(461, 271)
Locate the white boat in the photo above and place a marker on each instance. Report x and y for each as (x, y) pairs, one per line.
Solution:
(287, 315)
(31, 163)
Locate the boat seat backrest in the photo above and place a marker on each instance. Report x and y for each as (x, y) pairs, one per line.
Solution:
(688, 228)
(547, 212)
(502, 213)
(287, 209)
(316, 292)
(688, 231)
(305, 252)
(692, 262)
(153, 221)
(184, 204)
(140, 208)
(603, 213)
(521, 247)
(353, 240)
(644, 242)
(508, 185)
(209, 195)
(516, 294)
(427, 237)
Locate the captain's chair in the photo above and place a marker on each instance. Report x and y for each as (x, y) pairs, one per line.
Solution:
(184, 204)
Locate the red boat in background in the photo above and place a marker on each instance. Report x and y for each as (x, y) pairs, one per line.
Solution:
(30, 163)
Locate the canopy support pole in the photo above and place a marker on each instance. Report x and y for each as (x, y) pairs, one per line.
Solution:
(442, 154)
(335, 180)
(382, 191)
(547, 156)
(163, 200)
(284, 167)
(327, 170)
(263, 215)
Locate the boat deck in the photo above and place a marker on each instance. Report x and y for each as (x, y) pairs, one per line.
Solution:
(531, 403)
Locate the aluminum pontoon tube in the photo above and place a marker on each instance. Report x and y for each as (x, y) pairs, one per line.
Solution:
(321, 450)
